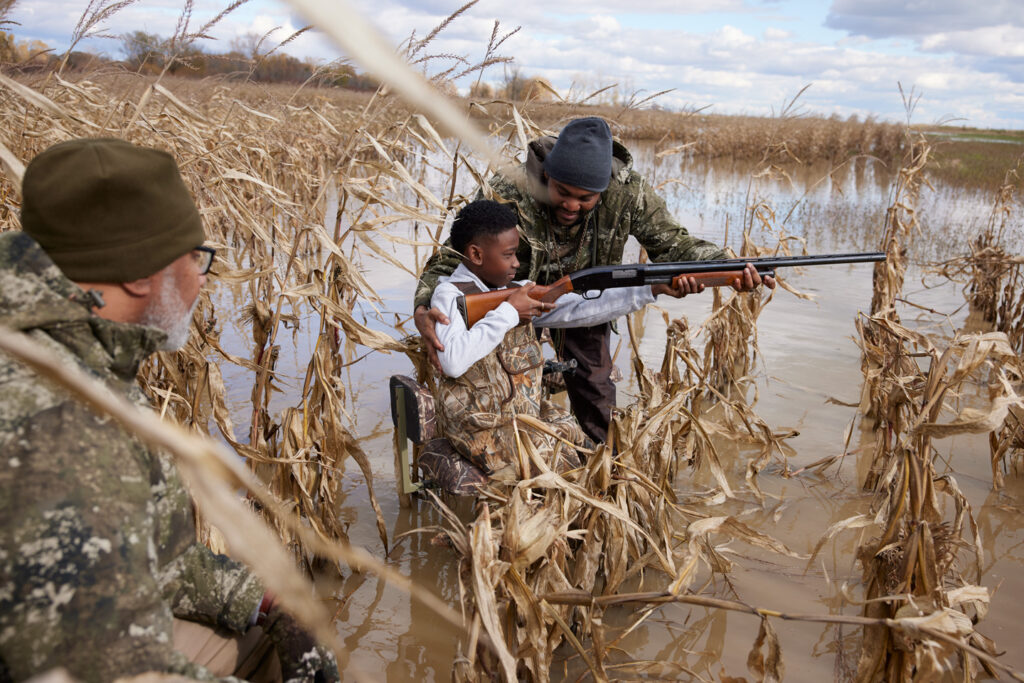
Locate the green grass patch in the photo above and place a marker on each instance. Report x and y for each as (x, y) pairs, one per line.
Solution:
(976, 135)
(977, 161)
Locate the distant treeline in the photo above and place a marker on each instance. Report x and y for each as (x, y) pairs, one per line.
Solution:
(150, 54)
(247, 59)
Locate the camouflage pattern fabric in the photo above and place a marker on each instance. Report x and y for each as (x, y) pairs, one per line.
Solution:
(475, 411)
(440, 465)
(301, 658)
(425, 412)
(421, 422)
(565, 425)
(438, 462)
(97, 539)
(629, 206)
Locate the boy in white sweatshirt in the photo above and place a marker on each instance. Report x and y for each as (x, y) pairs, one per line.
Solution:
(492, 371)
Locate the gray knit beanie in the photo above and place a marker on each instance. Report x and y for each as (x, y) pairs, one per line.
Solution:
(582, 155)
(106, 210)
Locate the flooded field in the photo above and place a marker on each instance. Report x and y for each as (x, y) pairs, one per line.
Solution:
(808, 376)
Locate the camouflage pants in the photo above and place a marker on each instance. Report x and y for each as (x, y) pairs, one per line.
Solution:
(442, 466)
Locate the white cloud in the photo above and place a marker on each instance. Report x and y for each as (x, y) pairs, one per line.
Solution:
(992, 41)
(266, 25)
(586, 7)
(603, 27)
(732, 37)
(772, 33)
(718, 79)
(933, 81)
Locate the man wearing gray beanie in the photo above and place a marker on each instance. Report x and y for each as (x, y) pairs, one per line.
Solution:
(578, 200)
(98, 556)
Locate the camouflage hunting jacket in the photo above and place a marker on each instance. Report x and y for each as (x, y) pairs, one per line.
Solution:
(547, 250)
(97, 537)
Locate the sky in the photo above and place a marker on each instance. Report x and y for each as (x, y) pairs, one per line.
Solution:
(962, 61)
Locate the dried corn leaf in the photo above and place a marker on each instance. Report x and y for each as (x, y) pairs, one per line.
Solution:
(13, 168)
(487, 570)
(768, 666)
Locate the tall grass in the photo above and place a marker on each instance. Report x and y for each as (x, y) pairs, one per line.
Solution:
(810, 138)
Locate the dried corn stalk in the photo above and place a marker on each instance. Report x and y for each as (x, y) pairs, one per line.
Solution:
(993, 276)
(916, 567)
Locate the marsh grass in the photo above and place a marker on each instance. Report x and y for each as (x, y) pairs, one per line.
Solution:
(809, 138)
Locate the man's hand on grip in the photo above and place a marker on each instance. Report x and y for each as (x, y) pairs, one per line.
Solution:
(752, 279)
(679, 287)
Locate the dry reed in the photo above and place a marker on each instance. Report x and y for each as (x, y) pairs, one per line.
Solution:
(701, 135)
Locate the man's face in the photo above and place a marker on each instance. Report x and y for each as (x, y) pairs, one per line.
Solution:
(496, 262)
(176, 293)
(569, 202)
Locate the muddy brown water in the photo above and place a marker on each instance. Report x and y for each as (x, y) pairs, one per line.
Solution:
(807, 357)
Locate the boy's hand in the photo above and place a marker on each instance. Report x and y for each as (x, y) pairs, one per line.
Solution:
(528, 307)
(425, 324)
(687, 285)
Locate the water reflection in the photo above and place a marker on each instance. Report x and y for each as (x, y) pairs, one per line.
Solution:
(807, 357)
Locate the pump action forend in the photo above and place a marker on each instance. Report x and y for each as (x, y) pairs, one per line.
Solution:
(599, 278)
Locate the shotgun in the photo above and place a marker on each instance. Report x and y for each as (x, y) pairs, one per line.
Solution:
(590, 282)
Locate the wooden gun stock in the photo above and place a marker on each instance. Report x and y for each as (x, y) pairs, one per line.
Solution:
(473, 307)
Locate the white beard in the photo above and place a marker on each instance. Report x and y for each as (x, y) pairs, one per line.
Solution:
(170, 314)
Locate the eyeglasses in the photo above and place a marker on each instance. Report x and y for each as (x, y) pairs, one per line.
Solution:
(204, 258)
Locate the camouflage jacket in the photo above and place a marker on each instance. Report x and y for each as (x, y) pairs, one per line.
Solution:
(548, 250)
(97, 538)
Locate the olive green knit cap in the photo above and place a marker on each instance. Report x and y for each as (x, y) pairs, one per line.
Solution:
(106, 210)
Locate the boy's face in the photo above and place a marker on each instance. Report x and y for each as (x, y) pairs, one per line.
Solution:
(493, 257)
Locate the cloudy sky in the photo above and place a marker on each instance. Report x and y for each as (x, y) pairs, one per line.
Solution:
(964, 58)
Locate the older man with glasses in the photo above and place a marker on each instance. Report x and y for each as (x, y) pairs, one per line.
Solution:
(97, 539)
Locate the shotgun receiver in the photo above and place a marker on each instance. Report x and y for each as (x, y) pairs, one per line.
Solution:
(713, 273)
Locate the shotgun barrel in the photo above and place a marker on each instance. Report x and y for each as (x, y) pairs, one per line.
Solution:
(603, 277)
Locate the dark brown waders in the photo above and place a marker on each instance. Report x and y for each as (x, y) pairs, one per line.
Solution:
(591, 390)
